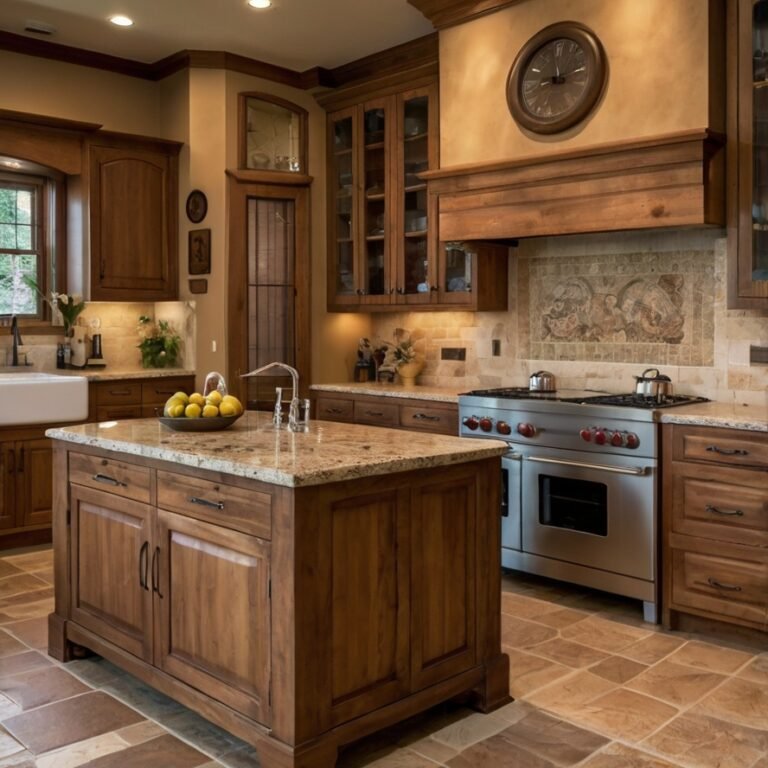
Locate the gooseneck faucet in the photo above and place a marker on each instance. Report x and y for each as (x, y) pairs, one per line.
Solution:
(293, 410)
(16, 340)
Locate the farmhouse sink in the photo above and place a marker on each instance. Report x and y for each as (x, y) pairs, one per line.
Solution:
(42, 398)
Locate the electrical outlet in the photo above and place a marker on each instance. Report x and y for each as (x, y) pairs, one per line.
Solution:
(453, 353)
(496, 348)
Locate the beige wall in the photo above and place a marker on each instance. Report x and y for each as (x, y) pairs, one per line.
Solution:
(657, 52)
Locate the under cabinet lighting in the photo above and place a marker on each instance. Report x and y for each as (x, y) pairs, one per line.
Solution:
(121, 21)
(260, 3)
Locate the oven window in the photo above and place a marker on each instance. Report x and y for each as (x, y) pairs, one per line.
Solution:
(576, 505)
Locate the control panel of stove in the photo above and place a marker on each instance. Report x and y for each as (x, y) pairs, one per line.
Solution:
(618, 438)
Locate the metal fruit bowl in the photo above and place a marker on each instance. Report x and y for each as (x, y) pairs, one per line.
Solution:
(200, 424)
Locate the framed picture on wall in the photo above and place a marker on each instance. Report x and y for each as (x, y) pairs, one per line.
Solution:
(199, 251)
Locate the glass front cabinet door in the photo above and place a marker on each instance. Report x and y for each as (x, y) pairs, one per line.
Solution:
(748, 153)
(379, 233)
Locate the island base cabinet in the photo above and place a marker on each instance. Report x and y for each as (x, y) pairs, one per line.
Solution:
(363, 603)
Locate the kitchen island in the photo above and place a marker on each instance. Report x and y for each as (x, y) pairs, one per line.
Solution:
(301, 590)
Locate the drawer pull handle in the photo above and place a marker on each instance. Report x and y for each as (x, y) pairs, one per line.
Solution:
(99, 478)
(724, 512)
(206, 503)
(143, 565)
(374, 413)
(120, 392)
(425, 417)
(719, 585)
(727, 451)
(334, 411)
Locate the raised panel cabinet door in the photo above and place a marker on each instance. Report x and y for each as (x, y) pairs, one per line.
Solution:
(110, 553)
(132, 246)
(7, 485)
(212, 609)
(443, 608)
(34, 460)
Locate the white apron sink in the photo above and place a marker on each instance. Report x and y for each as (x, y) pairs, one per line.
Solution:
(42, 398)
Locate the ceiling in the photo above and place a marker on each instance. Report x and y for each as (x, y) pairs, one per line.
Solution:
(297, 34)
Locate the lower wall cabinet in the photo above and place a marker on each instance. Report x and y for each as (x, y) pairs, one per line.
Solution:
(134, 398)
(386, 411)
(715, 511)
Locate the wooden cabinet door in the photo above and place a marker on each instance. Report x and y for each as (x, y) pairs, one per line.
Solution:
(7, 485)
(110, 554)
(443, 578)
(34, 471)
(133, 223)
(213, 611)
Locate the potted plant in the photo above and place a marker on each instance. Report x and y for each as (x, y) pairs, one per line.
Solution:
(159, 345)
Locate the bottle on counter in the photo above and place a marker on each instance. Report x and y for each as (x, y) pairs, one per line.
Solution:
(59, 355)
(66, 354)
(361, 368)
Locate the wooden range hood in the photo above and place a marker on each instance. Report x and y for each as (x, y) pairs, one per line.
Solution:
(675, 180)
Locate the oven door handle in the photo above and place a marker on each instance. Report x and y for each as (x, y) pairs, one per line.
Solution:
(584, 465)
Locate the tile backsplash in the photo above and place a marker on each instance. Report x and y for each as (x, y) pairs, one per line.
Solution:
(597, 310)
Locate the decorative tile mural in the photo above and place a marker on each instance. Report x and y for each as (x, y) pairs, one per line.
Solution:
(621, 307)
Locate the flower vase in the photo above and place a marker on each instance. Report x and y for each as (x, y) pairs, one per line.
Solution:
(409, 371)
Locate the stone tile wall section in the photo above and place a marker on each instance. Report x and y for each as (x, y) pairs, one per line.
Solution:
(598, 310)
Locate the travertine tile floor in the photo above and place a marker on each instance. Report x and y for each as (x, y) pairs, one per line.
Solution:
(594, 687)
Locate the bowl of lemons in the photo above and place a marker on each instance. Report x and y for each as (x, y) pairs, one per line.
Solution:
(200, 413)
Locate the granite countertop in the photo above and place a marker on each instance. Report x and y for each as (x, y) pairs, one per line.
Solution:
(384, 389)
(253, 448)
(731, 415)
(108, 374)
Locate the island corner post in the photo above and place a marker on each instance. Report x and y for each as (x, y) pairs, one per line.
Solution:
(300, 619)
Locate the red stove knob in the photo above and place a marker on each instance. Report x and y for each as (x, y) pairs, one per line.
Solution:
(600, 436)
(526, 430)
(586, 435)
(471, 422)
(503, 428)
(486, 424)
(632, 441)
(617, 439)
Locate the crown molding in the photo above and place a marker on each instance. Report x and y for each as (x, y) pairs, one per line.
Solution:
(447, 13)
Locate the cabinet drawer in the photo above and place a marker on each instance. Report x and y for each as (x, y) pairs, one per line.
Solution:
(117, 392)
(158, 391)
(117, 412)
(379, 414)
(722, 586)
(243, 510)
(725, 446)
(722, 511)
(439, 420)
(118, 477)
(334, 409)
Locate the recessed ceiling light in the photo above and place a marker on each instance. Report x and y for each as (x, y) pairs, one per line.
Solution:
(121, 21)
(260, 3)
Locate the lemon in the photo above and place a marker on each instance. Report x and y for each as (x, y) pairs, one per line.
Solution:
(175, 411)
(227, 409)
(193, 411)
(234, 402)
(197, 399)
(210, 410)
(183, 396)
(214, 398)
(171, 403)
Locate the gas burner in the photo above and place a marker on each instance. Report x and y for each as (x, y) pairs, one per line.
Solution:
(514, 393)
(639, 401)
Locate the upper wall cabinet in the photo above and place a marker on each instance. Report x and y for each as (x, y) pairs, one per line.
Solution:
(133, 200)
(748, 153)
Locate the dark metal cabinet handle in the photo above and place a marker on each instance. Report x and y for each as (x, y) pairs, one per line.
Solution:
(143, 565)
(727, 451)
(120, 392)
(374, 413)
(156, 572)
(11, 463)
(206, 503)
(425, 417)
(334, 411)
(720, 585)
(99, 478)
(724, 512)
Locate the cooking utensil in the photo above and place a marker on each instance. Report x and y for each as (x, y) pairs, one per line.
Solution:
(542, 381)
(655, 387)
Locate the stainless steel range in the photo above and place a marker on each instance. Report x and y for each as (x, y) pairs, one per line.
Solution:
(580, 484)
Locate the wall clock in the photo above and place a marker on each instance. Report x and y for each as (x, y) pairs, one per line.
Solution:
(556, 78)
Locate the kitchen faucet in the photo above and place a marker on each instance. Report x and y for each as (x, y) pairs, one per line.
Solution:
(293, 410)
(16, 341)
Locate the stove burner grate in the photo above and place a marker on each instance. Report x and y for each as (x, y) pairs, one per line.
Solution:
(513, 393)
(639, 401)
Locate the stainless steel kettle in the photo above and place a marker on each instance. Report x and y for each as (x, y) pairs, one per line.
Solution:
(542, 381)
(653, 387)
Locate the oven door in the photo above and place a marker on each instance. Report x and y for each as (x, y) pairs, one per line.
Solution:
(511, 473)
(592, 510)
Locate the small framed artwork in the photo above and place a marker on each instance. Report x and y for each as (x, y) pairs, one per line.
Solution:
(198, 285)
(197, 206)
(199, 251)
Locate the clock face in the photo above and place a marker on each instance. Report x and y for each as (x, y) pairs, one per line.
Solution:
(557, 78)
